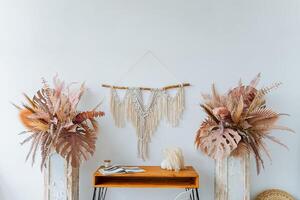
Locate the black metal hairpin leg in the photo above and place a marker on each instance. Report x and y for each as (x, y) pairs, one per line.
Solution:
(94, 194)
(194, 194)
(197, 193)
(101, 193)
(191, 197)
(104, 193)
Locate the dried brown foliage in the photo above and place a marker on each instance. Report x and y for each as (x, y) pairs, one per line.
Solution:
(238, 122)
(54, 124)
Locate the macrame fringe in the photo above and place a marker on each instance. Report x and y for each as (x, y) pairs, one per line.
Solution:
(146, 119)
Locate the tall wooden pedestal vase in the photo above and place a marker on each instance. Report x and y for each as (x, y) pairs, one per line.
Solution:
(61, 180)
(232, 178)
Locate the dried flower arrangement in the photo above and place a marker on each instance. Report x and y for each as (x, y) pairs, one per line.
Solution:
(238, 122)
(54, 124)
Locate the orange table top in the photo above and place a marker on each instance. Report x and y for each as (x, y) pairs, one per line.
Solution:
(153, 177)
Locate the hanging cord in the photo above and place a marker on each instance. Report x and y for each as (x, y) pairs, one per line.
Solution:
(133, 66)
(164, 66)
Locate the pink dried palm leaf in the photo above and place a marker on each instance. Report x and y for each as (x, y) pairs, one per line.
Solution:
(219, 143)
(42, 100)
(76, 147)
(205, 129)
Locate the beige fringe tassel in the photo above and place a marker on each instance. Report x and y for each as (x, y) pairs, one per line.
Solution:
(146, 119)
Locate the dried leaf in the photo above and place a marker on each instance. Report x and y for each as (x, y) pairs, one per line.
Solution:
(75, 147)
(274, 139)
(255, 81)
(24, 117)
(258, 100)
(241, 150)
(219, 143)
(55, 124)
(262, 118)
(47, 146)
(88, 115)
(74, 97)
(205, 129)
(238, 111)
(282, 128)
(29, 100)
(209, 112)
(254, 143)
(215, 95)
(243, 110)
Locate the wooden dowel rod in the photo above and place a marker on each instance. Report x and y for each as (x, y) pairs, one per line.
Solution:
(146, 88)
(176, 86)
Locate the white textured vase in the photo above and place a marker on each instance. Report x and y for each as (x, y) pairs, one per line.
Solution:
(61, 180)
(232, 178)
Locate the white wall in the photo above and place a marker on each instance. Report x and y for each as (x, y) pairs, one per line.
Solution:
(201, 41)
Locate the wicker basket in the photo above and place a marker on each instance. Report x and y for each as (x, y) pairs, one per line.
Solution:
(274, 194)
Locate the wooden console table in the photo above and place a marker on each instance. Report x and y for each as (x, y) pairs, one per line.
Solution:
(153, 177)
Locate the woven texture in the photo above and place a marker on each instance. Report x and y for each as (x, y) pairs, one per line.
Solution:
(146, 118)
(274, 194)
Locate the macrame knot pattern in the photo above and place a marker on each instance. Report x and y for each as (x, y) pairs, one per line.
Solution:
(146, 118)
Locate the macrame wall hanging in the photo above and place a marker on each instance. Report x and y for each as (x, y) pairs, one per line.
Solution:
(145, 118)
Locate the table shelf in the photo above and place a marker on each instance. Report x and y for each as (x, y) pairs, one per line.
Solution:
(153, 177)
